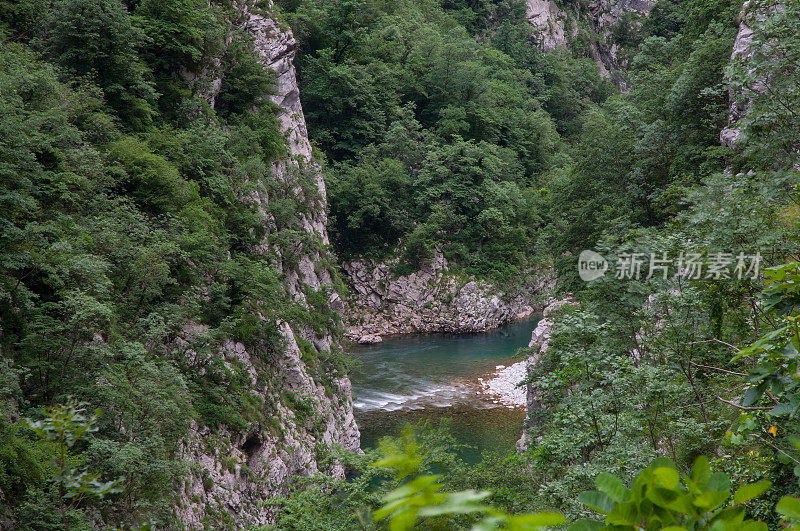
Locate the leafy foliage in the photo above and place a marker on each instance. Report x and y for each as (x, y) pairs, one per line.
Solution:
(127, 186)
(132, 247)
(662, 498)
(774, 379)
(420, 496)
(110, 59)
(437, 141)
(67, 425)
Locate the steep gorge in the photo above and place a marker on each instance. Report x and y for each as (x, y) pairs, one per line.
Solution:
(382, 301)
(166, 254)
(740, 99)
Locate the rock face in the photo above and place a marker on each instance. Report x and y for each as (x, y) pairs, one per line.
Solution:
(556, 27)
(550, 24)
(234, 473)
(308, 412)
(742, 49)
(753, 18)
(540, 342)
(430, 300)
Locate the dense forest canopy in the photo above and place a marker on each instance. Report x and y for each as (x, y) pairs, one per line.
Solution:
(126, 207)
(436, 135)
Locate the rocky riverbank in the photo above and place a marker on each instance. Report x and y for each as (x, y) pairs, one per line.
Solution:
(503, 386)
(432, 299)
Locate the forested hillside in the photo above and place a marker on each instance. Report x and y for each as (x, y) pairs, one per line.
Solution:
(439, 124)
(697, 156)
(165, 263)
(165, 260)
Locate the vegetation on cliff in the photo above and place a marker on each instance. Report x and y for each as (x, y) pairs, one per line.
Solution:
(127, 214)
(132, 248)
(641, 368)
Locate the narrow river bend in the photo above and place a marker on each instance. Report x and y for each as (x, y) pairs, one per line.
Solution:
(436, 376)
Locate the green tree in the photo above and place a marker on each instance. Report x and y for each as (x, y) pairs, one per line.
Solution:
(99, 40)
(420, 497)
(369, 203)
(67, 425)
(180, 35)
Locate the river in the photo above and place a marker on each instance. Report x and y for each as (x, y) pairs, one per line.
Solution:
(436, 376)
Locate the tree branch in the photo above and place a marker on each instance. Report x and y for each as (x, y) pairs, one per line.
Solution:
(715, 340)
(717, 369)
(745, 408)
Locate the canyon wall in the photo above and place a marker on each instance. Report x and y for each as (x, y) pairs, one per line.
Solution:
(742, 50)
(307, 406)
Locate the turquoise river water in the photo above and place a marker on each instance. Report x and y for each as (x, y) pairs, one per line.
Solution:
(435, 376)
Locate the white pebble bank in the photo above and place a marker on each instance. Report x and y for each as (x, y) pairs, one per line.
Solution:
(503, 384)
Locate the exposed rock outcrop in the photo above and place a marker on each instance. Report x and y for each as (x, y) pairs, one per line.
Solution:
(234, 473)
(742, 49)
(431, 300)
(738, 107)
(308, 412)
(556, 27)
(758, 71)
(550, 24)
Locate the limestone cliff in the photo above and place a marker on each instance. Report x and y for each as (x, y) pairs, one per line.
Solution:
(307, 407)
(432, 299)
(741, 51)
(551, 24)
(557, 24)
